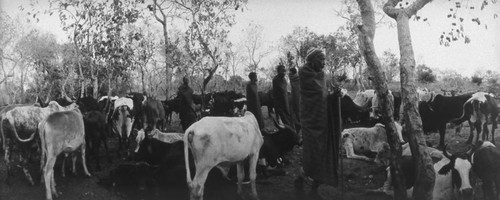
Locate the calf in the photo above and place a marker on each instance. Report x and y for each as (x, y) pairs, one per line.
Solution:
(477, 110)
(220, 141)
(60, 132)
(23, 122)
(485, 163)
(374, 139)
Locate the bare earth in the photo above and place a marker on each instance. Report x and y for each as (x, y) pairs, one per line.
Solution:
(359, 177)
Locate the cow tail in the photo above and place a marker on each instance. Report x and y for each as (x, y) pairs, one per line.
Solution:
(2, 135)
(10, 120)
(462, 118)
(43, 144)
(187, 140)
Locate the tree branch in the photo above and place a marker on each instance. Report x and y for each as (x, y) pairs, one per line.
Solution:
(416, 6)
(390, 8)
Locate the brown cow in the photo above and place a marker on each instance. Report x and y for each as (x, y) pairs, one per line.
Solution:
(23, 122)
(60, 132)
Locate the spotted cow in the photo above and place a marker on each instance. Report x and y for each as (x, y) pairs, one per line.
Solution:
(367, 140)
(22, 124)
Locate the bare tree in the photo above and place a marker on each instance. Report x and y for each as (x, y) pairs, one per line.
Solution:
(366, 35)
(253, 43)
(424, 182)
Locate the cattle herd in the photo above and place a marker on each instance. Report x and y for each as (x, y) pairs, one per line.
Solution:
(226, 134)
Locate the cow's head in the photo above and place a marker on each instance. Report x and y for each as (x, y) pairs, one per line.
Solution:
(460, 168)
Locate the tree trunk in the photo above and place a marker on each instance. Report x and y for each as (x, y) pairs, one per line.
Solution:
(425, 175)
(366, 36)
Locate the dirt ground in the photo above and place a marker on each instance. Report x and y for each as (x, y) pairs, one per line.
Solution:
(359, 177)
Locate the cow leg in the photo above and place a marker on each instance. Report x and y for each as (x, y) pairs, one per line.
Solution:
(24, 164)
(240, 169)
(253, 174)
(442, 131)
(63, 167)
(104, 141)
(471, 132)
(349, 149)
(84, 163)
(198, 183)
(48, 174)
(488, 190)
(73, 158)
(6, 158)
(95, 152)
(485, 129)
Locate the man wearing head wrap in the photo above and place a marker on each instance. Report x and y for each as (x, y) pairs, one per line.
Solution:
(319, 147)
(253, 101)
(280, 95)
(187, 114)
(295, 97)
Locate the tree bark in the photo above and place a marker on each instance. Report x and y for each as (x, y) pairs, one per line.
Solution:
(425, 175)
(366, 37)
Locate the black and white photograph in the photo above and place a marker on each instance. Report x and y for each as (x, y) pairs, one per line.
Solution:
(249, 99)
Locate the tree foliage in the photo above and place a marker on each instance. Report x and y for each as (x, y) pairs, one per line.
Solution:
(425, 74)
(206, 37)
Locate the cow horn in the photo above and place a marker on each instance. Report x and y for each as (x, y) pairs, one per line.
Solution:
(445, 153)
(470, 150)
(275, 121)
(430, 98)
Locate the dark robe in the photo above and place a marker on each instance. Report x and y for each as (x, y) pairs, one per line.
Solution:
(187, 113)
(253, 102)
(295, 100)
(319, 148)
(280, 95)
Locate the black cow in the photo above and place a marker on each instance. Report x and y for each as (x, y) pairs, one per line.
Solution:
(477, 110)
(440, 110)
(87, 104)
(223, 103)
(138, 99)
(95, 133)
(153, 114)
(485, 163)
(277, 144)
(397, 105)
(266, 99)
(352, 113)
(170, 106)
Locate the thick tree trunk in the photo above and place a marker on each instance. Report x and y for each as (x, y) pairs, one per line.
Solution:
(424, 183)
(366, 36)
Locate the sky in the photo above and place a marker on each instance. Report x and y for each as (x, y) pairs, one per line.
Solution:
(280, 17)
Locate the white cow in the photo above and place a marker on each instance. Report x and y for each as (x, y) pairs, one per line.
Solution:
(220, 142)
(374, 139)
(363, 98)
(60, 132)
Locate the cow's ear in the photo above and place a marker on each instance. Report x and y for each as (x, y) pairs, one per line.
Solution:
(446, 169)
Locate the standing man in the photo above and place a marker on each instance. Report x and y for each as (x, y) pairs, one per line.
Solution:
(319, 150)
(280, 95)
(295, 97)
(187, 114)
(253, 101)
